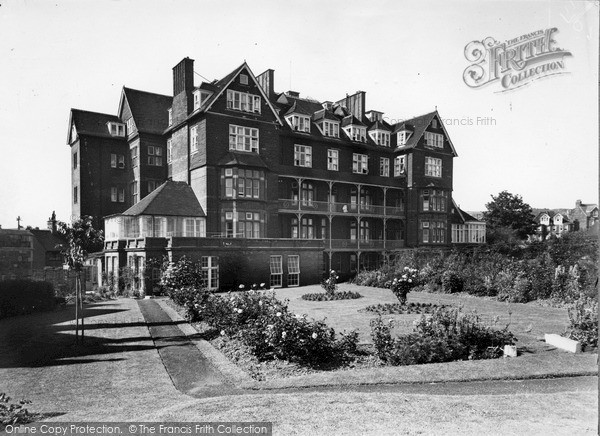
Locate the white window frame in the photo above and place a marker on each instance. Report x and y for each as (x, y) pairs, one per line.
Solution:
(169, 150)
(155, 156)
(116, 129)
(299, 123)
(135, 155)
(192, 227)
(384, 167)
(360, 163)
(170, 115)
(399, 166)
(130, 126)
(302, 156)
(243, 101)
(276, 268)
(210, 271)
(194, 139)
(433, 166)
(244, 79)
(243, 138)
(333, 159)
(293, 270)
(380, 137)
(356, 133)
(425, 231)
(331, 129)
(434, 139)
(114, 194)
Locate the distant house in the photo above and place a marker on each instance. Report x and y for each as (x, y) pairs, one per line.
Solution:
(16, 253)
(46, 246)
(584, 216)
(552, 223)
(466, 229)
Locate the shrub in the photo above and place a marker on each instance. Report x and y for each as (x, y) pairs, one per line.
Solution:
(20, 297)
(446, 334)
(181, 274)
(265, 325)
(402, 285)
(320, 296)
(583, 317)
(452, 282)
(330, 283)
(13, 413)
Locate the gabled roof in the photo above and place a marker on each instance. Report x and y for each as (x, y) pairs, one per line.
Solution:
(242, 159)
(352, 120)
(224, 83)
(48, 240)
(298, 109)
(380, 125)
(169, 199)
(419, 125)
(324, 114)
(149, 110)
(459, 216)
(90, 123)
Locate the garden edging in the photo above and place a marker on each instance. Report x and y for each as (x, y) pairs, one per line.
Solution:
(520, 368)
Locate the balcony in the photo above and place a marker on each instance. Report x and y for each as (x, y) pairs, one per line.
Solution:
(371, 244)
(325, 207)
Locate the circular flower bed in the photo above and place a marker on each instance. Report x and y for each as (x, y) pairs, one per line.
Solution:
(321, 296)
(399, 309)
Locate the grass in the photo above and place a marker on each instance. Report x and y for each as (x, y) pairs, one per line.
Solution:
(385, 413)
(529, 322)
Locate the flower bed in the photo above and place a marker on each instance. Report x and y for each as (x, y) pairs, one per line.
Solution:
(321, 296)
(399, 309)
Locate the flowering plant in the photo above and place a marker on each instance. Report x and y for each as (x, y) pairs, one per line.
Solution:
(330, 283)
(402, 285)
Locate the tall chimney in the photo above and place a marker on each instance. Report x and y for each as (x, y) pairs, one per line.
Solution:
(183, 86)
(266, 82)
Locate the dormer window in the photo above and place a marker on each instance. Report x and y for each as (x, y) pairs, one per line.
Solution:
(200, 98)
(299, 123)
(434, 140)
(242, 101)
(356, 133)
(380, 137)
(116, 129)
(331, 128)
(402, 137)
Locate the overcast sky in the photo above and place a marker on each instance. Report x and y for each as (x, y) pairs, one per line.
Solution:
(409, 57)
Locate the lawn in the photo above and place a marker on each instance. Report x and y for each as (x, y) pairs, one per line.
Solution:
(529, 322)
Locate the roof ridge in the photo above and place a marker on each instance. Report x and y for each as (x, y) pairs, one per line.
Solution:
(93, 112)
(147, 92)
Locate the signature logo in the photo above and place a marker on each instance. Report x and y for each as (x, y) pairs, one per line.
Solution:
(516, 62)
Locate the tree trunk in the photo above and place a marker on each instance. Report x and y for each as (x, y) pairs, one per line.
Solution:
(81, 307)
(76, 311)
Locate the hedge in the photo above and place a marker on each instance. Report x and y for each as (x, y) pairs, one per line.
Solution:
(19, 297)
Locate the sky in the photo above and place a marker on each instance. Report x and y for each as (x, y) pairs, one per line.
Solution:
(539, 141)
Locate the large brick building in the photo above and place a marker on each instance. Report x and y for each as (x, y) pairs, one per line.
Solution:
(269, 166)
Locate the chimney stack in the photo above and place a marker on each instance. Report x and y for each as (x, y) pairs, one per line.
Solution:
(52, 223)
(183, 87)
(266, 81)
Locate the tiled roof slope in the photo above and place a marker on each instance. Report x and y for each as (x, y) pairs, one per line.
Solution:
(92, 123)
(169, 199)
(149, 110)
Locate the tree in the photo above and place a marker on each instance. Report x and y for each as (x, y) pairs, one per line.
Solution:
(509, 211)
(81, 239)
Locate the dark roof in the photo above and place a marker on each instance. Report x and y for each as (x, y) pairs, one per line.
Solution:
(299, 105)
(459, 216)
(417, 125)
(299, 109)
(380, 125)
(169, 199)
(149, 110)
(324, 114)
(92, 123)
(243, 159)
(352, 120)
(47, 239)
